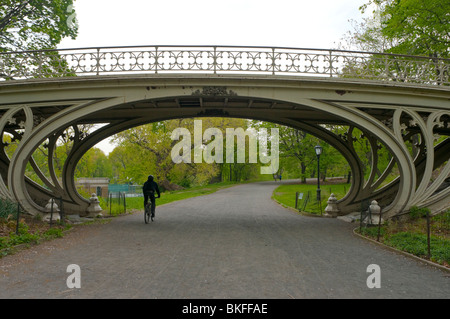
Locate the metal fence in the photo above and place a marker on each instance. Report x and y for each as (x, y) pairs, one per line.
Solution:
(127, 189)
(117, 200)
(99, 61)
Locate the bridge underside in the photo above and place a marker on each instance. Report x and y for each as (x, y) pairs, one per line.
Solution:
(411, 122)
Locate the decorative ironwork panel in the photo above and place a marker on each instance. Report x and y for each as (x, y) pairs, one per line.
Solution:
(225, 59)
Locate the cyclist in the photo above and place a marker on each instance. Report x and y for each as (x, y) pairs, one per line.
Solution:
(149, 189)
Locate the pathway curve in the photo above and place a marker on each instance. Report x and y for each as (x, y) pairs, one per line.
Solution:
(235, 243)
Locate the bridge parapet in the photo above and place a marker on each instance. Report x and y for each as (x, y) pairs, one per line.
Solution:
(101, 61)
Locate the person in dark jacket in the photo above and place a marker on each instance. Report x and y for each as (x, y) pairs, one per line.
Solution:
(149, 189)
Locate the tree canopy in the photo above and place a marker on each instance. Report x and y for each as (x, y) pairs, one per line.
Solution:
(35, 24)
(413, 27)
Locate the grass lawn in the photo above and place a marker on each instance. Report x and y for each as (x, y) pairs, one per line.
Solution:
(285, 194)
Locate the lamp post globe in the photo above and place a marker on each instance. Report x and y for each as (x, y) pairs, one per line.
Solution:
(318, 150)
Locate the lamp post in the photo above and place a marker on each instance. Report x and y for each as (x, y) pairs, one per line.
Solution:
(318, 150)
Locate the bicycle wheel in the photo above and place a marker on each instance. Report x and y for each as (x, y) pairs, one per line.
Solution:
(153, 211)
(147, 214)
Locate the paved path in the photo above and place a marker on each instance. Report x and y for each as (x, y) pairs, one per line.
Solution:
(236, 243)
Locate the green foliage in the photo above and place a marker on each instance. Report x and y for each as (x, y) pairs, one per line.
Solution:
(114, 208)
(443, 219)
(94, 163)
(22, 237)
(416, 212)
(29, 25)
(32, 25)
(421, 27)
(285, 194)
(411, 236)
(373, 232)
(417, 244)
(147, 150)
(53, 233)
(7, 208)
(404, 27)
(25, 235)
(413, 27)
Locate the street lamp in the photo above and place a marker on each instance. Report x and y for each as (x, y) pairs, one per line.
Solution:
(318, 150)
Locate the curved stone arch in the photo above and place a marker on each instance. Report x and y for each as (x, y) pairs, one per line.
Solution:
(100, 98)
(69, 185)
(81, 148)
(397, 148)
(16, 171)
(315, 130)
(425, 190)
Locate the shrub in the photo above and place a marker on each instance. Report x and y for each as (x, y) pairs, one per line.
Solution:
(7, 208)
(416, 212)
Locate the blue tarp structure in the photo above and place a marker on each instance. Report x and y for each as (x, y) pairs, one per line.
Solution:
(115, 188)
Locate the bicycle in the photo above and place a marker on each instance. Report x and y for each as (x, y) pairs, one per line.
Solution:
(149, 212)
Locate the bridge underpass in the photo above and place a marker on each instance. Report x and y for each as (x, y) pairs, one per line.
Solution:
(389, 113)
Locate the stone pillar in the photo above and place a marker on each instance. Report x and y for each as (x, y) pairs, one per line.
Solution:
(332, 210)
(94, 209)
(51, 209)
(375, 213)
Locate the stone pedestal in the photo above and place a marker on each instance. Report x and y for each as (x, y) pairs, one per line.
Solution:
(332, 210)
(51, 211)
(94, 210)
(374, 217)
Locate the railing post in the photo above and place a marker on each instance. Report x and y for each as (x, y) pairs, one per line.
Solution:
(331, 63)
(273, 61)
(156, 60)
(98, 61)
(40, 73)
(215, 60)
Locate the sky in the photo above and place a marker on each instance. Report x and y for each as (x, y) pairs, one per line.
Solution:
(283, 23)
(280, 23)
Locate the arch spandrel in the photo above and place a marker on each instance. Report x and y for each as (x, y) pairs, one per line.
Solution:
(304, 103)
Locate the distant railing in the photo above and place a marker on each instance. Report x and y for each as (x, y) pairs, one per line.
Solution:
(224, 60)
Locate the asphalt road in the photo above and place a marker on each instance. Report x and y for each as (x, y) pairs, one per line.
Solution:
(235, 243)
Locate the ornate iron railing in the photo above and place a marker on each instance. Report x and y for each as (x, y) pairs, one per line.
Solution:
(224, 59)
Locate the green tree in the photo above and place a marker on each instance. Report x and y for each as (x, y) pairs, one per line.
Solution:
(411, 27)
(294, 144)
(94, 163)
(27, 25)
(406, 27)
(147, 150)
(130, 164)
(35, 24)
(415, 27)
